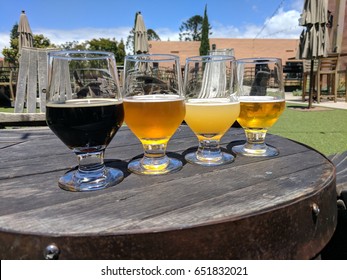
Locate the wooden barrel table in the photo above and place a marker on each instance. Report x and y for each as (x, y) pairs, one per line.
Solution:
(254, 208)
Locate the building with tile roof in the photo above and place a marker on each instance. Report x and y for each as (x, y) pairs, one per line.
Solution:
(243, 48)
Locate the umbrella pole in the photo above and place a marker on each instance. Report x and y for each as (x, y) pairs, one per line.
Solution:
(311, 87)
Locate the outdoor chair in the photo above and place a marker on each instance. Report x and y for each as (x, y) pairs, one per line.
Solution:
(327, 75)
(343, 72)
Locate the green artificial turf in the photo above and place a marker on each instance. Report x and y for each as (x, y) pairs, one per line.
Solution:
(324, 130)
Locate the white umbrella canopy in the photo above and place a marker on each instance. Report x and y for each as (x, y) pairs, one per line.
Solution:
(25, 37)
(314, 11)
(314, 40)
(140, 35)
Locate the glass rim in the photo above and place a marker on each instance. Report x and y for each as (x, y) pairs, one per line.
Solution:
(216, 58)
(80, 54)
(259, 60)
(151, 57)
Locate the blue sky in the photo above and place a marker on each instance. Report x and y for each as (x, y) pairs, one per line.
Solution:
(68, 20)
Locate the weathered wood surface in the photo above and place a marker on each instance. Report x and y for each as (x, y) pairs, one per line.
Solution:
(32, 85)
(250, 209)
(21, 118)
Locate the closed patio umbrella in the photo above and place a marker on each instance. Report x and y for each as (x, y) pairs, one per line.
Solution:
(140, 35)
(314, 40)
(25, 37)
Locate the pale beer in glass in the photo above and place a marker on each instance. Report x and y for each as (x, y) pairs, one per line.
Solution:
(261, 95)
(212, 105)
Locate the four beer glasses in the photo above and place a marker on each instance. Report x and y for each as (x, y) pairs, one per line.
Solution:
(262, 99)
(212, 105)
(85, 110)
(154, 109)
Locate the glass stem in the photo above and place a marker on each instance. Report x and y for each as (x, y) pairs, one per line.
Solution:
(92, 162)
(154, 156)
(209, 150)
(255, 138)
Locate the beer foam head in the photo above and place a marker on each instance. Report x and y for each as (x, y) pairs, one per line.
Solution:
(259, 99)
(210, 101)
(153, 98)
(85, 103)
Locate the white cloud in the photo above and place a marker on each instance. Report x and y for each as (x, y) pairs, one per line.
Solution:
(166, 34)
(283, 24)
(4, 41)
(62, 36)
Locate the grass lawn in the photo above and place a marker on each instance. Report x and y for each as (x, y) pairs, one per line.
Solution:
(11, 110)
(324, 130)
(6, 110)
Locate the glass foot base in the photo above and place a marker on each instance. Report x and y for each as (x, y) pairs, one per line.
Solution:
(136, 167)
(224, 159)
(265, 151)
(76, 181)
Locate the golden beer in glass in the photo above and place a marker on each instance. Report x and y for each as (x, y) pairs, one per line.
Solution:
(262, 99)
(154, 108)
(211, 105)
(160, 117)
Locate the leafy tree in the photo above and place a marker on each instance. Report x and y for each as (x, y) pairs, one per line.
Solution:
(108, 45)
(41, 41)
(120, 55)
(152, 35)
(11, 54)
(74, 45)
(191, 29)
(103, 44)
(205, 42)
(14, 32)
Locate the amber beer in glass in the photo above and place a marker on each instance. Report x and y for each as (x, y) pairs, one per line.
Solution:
(260, 113)
(212, 105)
(154, 108)
(160, 117)
(85, 110)
(262, 99)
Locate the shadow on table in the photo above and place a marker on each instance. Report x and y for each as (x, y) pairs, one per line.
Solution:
(195, 148)
(235, 143)
(114, 163)
(119, 164)
(169, 154)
